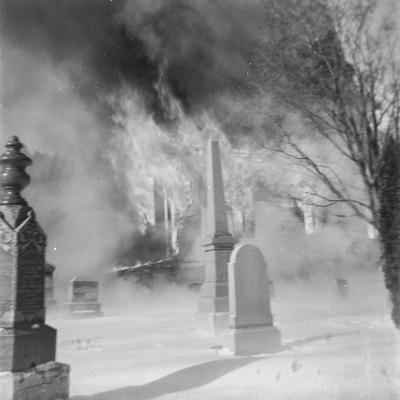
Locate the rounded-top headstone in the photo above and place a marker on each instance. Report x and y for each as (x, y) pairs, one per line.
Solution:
(13, 178)
(251, 322)
(248, 287)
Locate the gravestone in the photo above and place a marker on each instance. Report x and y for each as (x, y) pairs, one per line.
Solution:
(214, 300)
(50, 299)
(83, 298)
(251, 322)
(28, 369)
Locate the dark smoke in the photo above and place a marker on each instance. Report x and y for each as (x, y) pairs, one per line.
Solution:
(200, 48)
(62, 61)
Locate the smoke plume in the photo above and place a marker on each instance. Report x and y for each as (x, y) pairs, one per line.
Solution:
(104, 95)
(107, 94)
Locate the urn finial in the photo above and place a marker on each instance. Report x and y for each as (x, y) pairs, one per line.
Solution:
(13, 177)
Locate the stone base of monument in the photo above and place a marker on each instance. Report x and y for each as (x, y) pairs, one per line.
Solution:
(253, 340)
(214, 297)
(215, 323)
(49, 381)
(213, 311)
(83, 310)
(24, 347)
(219, 322)
(213, 304)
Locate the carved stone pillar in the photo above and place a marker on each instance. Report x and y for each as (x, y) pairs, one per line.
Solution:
(27, 345)
(214, 296)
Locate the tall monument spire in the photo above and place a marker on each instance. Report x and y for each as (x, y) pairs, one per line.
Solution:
(218, 246)
(217, 222)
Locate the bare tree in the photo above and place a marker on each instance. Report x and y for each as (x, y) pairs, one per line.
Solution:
(337, 67)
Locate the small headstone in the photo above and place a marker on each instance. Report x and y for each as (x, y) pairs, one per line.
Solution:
(251, 322)
(50, 299)
(83, 298)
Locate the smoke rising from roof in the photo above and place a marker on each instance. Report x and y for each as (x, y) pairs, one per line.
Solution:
(71, 71)
(81, 78)
(201, 48)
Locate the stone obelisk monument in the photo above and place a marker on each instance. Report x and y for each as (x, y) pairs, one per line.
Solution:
(27, 345)
(214, 296)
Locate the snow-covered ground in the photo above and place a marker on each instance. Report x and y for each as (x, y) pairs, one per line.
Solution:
(150, 345)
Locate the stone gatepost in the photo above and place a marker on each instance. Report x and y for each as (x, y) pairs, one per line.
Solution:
(214, 296)
(251, 323)
(28, 369)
